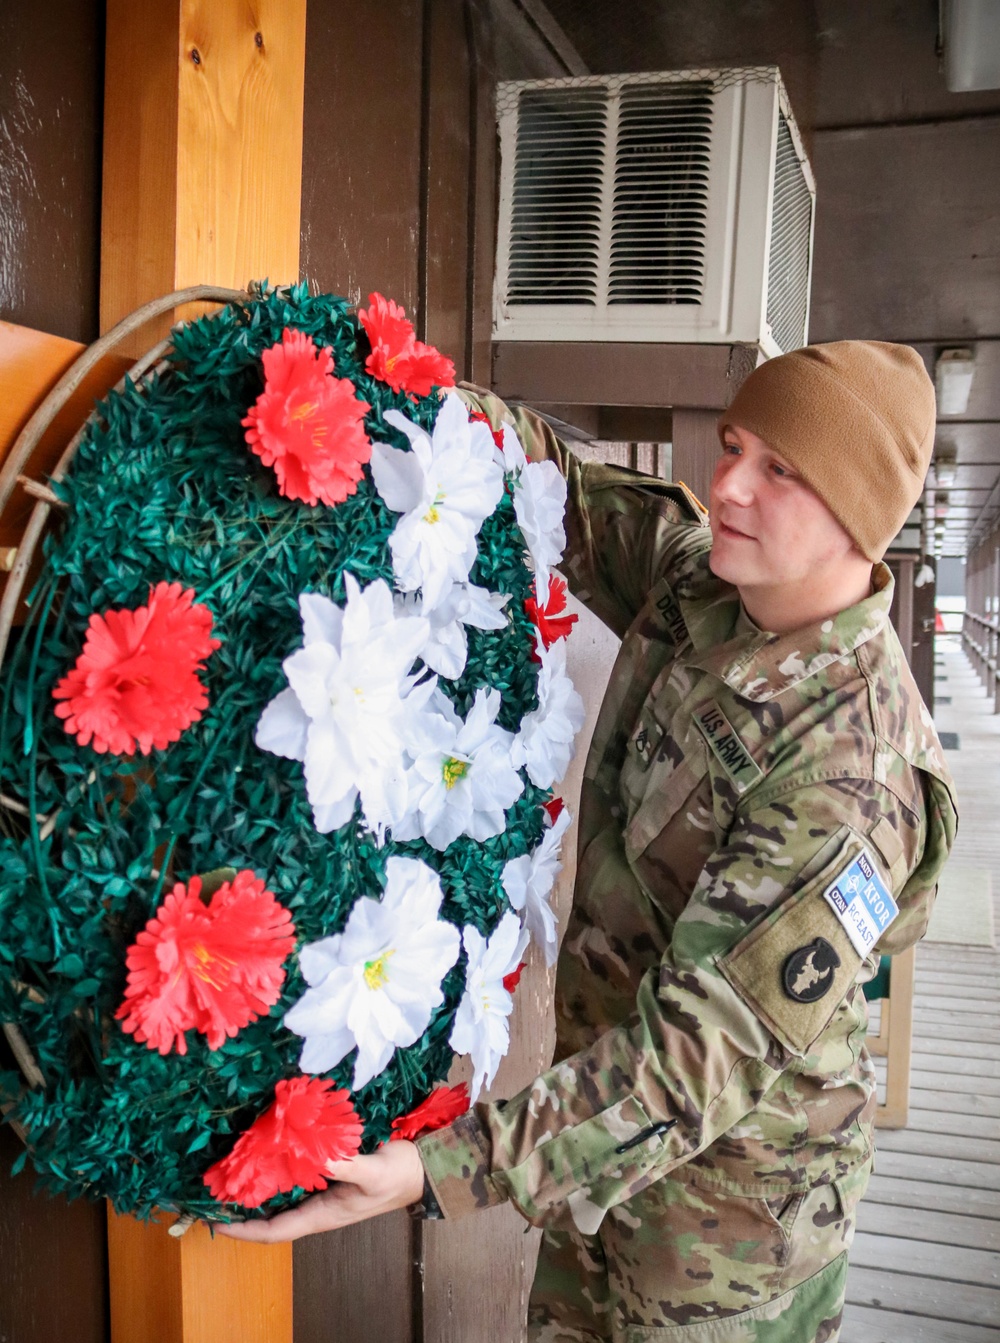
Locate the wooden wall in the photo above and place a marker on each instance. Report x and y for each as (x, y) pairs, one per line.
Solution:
(398, 190)
(398, 195)
(53, 1258)
(51, 94)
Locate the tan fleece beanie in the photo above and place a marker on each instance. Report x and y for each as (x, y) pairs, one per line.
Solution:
(856, 420)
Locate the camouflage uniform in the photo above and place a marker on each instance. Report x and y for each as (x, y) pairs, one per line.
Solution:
(696, 1152)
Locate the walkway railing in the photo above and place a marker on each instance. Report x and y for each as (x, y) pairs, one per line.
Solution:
(981, 637)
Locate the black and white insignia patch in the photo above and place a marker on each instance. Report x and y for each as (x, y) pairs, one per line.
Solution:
(807, 973)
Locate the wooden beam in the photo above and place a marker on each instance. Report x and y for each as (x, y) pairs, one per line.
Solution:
(195, 1289)
(202, 184)
(202, 149)
(696, 449)
(621, 373)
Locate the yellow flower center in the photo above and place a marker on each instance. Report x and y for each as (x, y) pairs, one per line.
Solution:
(376, 973)
(452, 770)
(305, 412)
(212, 970)
(432, 514)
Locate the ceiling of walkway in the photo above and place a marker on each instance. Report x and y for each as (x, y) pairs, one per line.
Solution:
(908, 186)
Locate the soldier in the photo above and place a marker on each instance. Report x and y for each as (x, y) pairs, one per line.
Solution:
(765, 810)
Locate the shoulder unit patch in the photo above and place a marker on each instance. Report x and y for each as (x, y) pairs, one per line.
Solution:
(808, 972)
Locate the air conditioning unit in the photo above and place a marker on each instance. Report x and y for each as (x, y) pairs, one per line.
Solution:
(674, 206)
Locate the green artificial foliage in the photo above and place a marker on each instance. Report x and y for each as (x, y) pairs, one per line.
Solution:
(163, 487)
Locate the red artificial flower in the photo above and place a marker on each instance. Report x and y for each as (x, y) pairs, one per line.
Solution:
(477, 415)
(212, 967)
(554, 808)
(288, 1147)
(135, 685)
(551, 620)
(442, 1106)
(406, 364)
(307, 423)
(511, 981)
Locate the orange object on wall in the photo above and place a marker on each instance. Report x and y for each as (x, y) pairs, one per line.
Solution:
(31, 363)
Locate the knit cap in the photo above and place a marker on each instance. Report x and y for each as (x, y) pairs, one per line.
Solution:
(856, 419)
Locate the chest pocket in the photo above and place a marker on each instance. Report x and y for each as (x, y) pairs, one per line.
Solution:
(667, 785)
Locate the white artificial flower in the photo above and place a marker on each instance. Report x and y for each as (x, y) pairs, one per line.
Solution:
(540, 508)
(528, 881)
(376, 984)
(445, 488)
(511, 456)
(544, 743)
(462, 780)
(447, 649)
(481, 1028)
(350, 697)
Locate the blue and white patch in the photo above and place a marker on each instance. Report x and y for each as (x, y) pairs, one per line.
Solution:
(860, 900)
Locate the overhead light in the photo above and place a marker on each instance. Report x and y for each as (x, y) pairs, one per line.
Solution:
(945, 463)
(953, 372)
(971, 32)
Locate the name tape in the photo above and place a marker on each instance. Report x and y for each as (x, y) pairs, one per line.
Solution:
(862, 903)
(671, 615)
(732, 755)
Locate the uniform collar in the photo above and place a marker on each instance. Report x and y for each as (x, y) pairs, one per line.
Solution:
(758, 666)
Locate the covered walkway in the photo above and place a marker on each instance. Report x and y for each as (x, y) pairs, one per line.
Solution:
(926, 1261)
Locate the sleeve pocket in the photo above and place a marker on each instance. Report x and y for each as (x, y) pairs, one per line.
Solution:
(796, 966)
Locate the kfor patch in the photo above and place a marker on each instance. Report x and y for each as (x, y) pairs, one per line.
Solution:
(726, 746)
(862, 903)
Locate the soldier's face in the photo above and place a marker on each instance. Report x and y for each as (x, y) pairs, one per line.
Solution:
(769, 528)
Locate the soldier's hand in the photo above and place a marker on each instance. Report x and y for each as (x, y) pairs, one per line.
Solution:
(366, 1186)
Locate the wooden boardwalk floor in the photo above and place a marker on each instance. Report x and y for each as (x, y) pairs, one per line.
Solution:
(925, 1267)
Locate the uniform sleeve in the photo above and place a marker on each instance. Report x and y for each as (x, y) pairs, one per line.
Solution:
(624, 530)
(759, 962)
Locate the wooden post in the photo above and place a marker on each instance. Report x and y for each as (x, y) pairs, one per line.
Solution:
(202, 149)
(196, 1289)
(696, 449)
(896, 1042)
(202, 184)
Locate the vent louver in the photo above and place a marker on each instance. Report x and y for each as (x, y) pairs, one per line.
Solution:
(555, 228)
(791, 234)
(661, 188)
(672, 206)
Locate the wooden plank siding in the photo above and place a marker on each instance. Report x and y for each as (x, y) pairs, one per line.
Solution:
(925, 1267)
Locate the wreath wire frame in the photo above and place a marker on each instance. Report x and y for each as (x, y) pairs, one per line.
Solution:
(136, 1196)
(11, 476)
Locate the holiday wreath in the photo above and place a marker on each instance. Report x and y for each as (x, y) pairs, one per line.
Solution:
(279, 738)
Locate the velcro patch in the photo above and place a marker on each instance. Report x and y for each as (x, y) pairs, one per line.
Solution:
(796, 966)
(726, 746)
(862, 903)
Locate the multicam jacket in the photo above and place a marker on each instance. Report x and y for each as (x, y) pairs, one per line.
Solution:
(755, 808)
